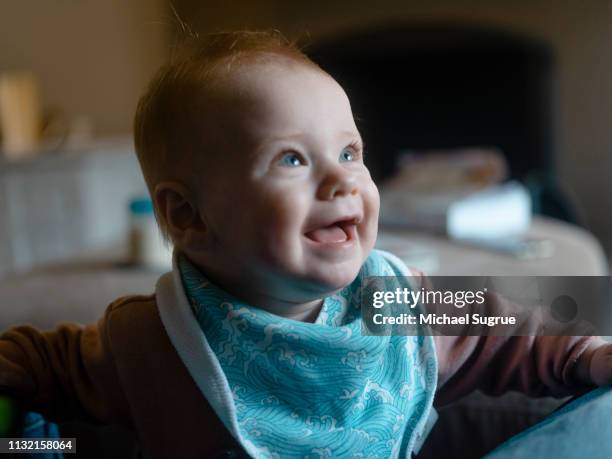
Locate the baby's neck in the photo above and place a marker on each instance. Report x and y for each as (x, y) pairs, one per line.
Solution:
(303, 312)
(307, 312)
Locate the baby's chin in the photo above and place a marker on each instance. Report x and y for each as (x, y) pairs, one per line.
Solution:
(316, 275)
(333, 277)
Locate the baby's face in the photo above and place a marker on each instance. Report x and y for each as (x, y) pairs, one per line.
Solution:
(290, 208)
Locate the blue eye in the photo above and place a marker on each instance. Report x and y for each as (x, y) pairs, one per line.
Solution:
(347, 155)
(292, 159)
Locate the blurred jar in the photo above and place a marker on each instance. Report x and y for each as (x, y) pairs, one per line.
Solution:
(146, 245)
(20, 114)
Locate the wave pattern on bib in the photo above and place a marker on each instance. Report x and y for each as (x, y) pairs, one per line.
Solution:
(316, 390)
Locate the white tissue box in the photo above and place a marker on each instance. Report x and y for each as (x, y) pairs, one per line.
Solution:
(492, 212)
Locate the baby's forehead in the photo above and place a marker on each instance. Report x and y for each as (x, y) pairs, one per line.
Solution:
(256, 76)
(266, 64)
(265, 98)
(257, 89)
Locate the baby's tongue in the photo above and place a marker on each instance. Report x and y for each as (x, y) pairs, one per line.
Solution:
(329, 234)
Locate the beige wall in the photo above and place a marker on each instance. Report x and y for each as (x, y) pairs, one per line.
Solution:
(93, 57)
(581, 33)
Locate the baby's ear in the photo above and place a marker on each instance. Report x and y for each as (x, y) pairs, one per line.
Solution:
(177, 208)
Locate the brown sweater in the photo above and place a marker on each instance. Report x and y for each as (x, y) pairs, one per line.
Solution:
(125, 370)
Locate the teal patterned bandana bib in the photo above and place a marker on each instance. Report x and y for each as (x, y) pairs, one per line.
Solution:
(317, 390)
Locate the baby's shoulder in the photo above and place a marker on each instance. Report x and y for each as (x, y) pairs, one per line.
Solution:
(129, 306)
(129, 316)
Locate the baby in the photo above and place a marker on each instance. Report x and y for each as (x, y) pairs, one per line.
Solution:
(252, 344)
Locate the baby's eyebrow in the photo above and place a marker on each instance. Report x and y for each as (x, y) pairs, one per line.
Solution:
(300, 134)
(362, 147)
(359, 141)
(353, 135)
(292, 136)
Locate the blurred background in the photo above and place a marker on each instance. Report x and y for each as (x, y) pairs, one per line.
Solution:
(487, 127)
(528, 83)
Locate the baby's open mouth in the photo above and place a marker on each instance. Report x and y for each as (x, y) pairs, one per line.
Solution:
(337, 232)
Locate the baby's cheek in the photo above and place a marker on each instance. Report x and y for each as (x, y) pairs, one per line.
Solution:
(372, 198)
(281, 212)
(281, 226)
(371, 204)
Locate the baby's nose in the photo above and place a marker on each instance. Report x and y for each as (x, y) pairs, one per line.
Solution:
(338, 183)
